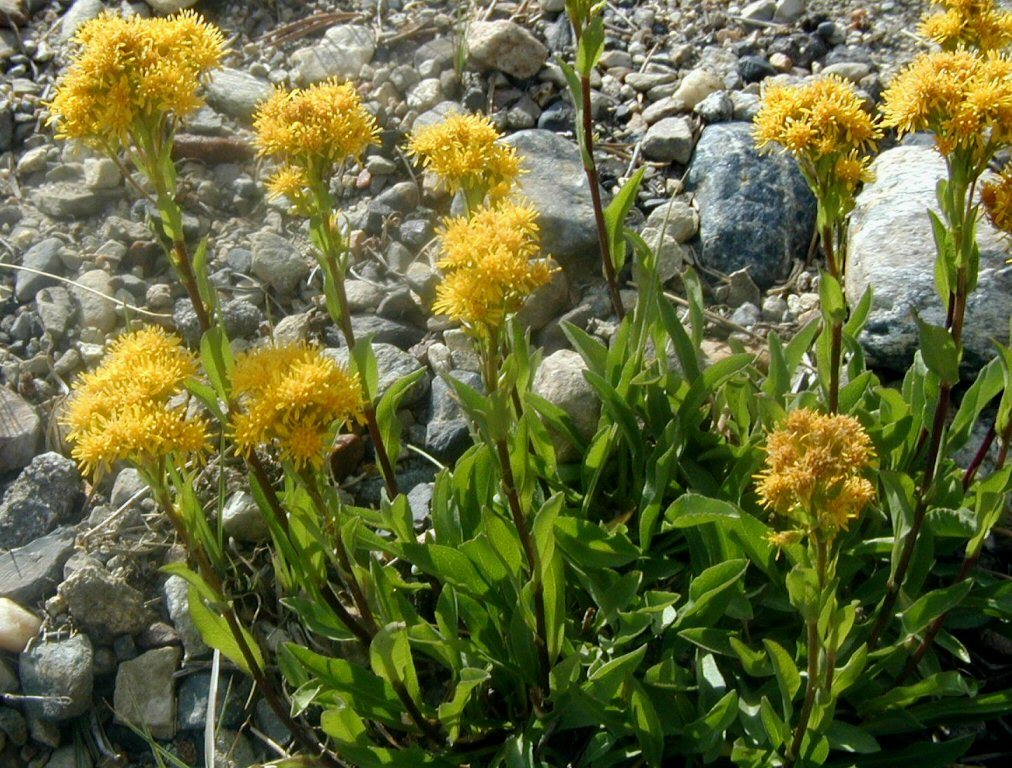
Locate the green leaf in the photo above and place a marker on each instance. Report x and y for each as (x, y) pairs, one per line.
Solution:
(591, 46)
(850, 738)
(932, 605)
(365, 366)
(932, 754)
(216, 633)
(834, 305)
(788, 676)
(938, 351)
(390, 656)
(386, 413)
(605, 682)
(588, 545)
(647, 724)
(216, 357)
(988, 385)
(451, 712)
(939, 684)
(693, 509)
(615, 214)
(709, 585)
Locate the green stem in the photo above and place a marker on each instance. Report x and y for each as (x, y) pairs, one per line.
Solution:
(814, 652)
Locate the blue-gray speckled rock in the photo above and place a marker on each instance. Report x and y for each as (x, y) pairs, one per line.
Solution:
(892, 249)
(755, 211)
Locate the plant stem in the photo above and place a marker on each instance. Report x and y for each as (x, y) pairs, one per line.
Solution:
(810, 690)
(836, 341)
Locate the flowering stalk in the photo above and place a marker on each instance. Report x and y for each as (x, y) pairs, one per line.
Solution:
(588, 29)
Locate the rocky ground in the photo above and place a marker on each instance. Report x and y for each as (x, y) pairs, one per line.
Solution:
(677, 86)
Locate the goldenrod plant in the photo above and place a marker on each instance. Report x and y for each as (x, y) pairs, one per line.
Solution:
(978, 24)
(826, 128)
(740, 568)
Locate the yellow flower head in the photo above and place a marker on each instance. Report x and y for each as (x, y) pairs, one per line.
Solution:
(315, 127)
(127, 409)
(813, 470)
(490, 265)
(978, 24)
(130, 74)
(289, 181)
(820, 118)
(464, 152)
(965, 99)
(294, 398)
(997, 199)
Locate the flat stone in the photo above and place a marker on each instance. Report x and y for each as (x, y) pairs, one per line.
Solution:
(505, 46)
(278, 262)
(72, 200)
(755, 211)
(47, 493)
(556, 185)
(892, 250)
(30, 572)
(61, 674)
(103, 603)
(236, 93)
(20, 431)
(669, 140)
(342, 53)
(145, 693)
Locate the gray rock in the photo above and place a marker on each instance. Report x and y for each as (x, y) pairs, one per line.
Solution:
(553, 6)
(447, 434)
(393, 364)
(669, 140)
(718, 107)
(77, 14)
(128, 485)
(103, 603)
(696, 86)
(55, 310)
(505, 46)
(385, 331)
(236, 93)
(232, 750)
(70, 756)
(242, 520)
(891, 249)
(774, 308)
(546, 303)
(101, 173)
(20, 430)
(194, 696)
(420, 501)
(789, 11)
(854, 71)
(293, 329)
(8, 679)
(177, 603)
(47, 493)
(746, 315)
(756, 212)
(61, 673)
(72, 200)
(165, 7)
(556, 185)
(33, 161)
(278, 262)
(741, 289)
(13, 727)
(759, 10)
(43, 256)
(6, 127)
(145, 692)
(94, 310)
(32, 571)
(362, 296)
(342, 53)
(560, 380)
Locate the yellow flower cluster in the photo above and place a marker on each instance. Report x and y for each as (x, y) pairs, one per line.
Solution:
(490, 265)
(131, 73)
(813, 471)
(820, 118)
(127, 409)
(464, 152)
(965, 99)
(997, 199)
(978, 24)
(314, 128)
(294, 398)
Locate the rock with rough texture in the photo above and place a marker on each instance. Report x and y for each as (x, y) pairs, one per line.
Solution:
(556, 186)
(755, 211)
(546, 303)
(47, 493)
(194, 698)
(61, 674)
(560, 380)
(17, 626)
(667, 229)
(447, 433)
(242, 520)
(44, 256)
(103, 603)
(95, 311)
(696, 86)
(669, 140)
(891, 249)
(76, 15)
(20, 430)
(789, 11)
(393, 364)
(71, 200)
(505, 46)
(278, 262)
(165, 7)
(236, 93)
(145, 694)
(342, 53)
(177, 602)
(30, 572)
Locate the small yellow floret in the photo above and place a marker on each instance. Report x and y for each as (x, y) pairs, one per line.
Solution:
(978, 24)
(490, 265)
(294, 398)
(128, 410)
(997, 198)
(813, 470)
(315, 127)
(131, 74)
(465, 153)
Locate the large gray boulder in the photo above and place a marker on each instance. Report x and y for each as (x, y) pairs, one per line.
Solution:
(892, 249)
